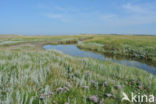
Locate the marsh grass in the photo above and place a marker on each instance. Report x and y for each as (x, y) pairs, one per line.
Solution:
(31, 75)
(25, 75)
(139, 47)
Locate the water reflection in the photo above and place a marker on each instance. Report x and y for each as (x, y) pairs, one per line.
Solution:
(74, 51)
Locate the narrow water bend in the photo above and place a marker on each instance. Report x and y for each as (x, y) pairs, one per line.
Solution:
(74, 51)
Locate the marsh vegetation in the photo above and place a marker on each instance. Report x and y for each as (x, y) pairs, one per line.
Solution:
(138, 47)
(31, 75)
(73, 50)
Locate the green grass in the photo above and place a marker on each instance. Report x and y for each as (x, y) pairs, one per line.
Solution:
(139, 47)
(27, 72)
(25, 76)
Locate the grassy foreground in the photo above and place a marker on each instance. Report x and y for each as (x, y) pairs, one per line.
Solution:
(30, 75)
(35, 77)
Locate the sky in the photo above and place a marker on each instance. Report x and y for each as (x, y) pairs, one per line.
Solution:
(58, 17)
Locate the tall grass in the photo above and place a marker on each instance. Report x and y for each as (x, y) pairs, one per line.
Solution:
(28, 77)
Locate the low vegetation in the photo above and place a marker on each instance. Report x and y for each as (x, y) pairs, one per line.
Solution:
(37, 77)
(139, 47)
(31, 75)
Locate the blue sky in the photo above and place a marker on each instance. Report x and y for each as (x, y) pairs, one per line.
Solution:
(77, 16)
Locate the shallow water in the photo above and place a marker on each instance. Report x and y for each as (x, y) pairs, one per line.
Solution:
(74, 51)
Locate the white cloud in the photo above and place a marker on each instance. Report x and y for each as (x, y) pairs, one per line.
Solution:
(60, 17)
(139, 9)
(61, 13)
(140, 14)
(132, 15)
